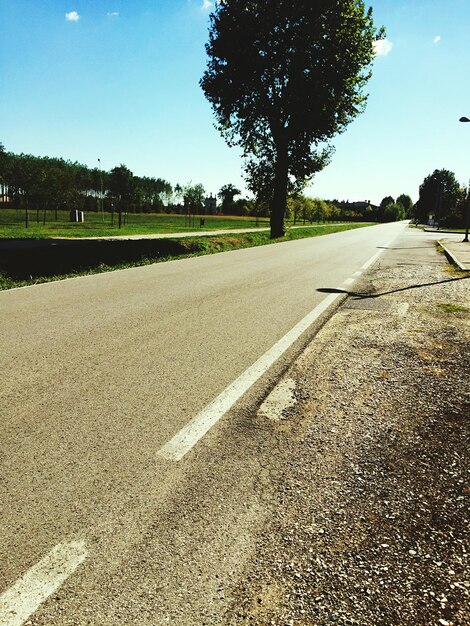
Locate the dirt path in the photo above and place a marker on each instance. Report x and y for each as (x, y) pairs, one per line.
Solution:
(371, 525)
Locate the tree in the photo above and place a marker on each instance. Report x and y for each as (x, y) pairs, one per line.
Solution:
(440, 194)
(194, 196)
(227, 193)
(407, 204)
(23, 180)
(122, 187)
(393, 212)
(283, 78)
(385, 202)
(297, 207)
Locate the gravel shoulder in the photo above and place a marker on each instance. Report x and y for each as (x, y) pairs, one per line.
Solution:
(370, 524)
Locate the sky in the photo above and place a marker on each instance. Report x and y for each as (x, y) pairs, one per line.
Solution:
(118, 80)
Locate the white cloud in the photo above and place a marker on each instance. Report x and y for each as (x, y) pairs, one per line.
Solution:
(382, 47)
(437, 39)
(113, 14)
(207, 5)
(72, 16)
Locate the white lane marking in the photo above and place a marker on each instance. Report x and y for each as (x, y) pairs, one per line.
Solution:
(349, 281)
(357, 274)
(375, 256)
(372, 259)
(19, 602)
(189, 435)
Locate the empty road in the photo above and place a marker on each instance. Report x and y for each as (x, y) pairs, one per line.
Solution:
(113, 511)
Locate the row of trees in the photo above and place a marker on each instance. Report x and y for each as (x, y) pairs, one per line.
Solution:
(28, 181)
(441, 196)
(53, 184)
(391, 210)
(301, 208)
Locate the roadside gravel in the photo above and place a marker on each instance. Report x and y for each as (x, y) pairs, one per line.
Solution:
(371, 523)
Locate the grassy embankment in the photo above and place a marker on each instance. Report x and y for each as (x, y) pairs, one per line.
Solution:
(53, 260)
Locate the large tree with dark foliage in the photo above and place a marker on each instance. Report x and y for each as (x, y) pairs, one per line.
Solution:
(227, 194)
(283, 78)
(407, 203)
(441, 195)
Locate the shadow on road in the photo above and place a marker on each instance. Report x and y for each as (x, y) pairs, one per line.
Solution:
(360, 296)
(431, 244)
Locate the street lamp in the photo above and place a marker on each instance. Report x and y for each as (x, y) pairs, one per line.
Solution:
(101, 192)
(467, 213)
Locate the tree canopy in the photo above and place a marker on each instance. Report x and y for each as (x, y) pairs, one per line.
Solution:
(227, 194)
(441, 195)
(193, 196)
(407, 203)
(283, 78)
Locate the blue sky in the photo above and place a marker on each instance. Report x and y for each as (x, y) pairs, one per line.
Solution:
(118, 80)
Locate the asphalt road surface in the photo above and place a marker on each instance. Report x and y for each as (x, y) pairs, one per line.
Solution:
(112, 512)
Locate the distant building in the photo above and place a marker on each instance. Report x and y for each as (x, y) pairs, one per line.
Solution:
(210, 205)
(355, 206)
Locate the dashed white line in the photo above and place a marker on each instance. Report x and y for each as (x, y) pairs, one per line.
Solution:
(19, 602)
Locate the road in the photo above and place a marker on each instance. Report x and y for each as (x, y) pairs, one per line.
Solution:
(99, 524)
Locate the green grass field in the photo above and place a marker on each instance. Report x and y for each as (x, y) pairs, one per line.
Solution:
(12, 224)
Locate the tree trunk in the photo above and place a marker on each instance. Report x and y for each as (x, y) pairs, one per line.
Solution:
(279, 201)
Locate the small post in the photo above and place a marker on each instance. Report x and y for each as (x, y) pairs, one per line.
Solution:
(467, 215)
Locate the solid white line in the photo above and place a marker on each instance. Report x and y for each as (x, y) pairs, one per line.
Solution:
(372, 260)
(189, 435)
(374, 257)
(39, 582)
(349, 281)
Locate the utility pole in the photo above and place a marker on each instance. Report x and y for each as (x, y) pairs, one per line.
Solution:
(467, 214)
(101, 189)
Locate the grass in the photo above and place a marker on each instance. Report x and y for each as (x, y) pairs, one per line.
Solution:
(21, 267)
(452, 308)
(12, 224)
(455, 271)
(451, 268)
